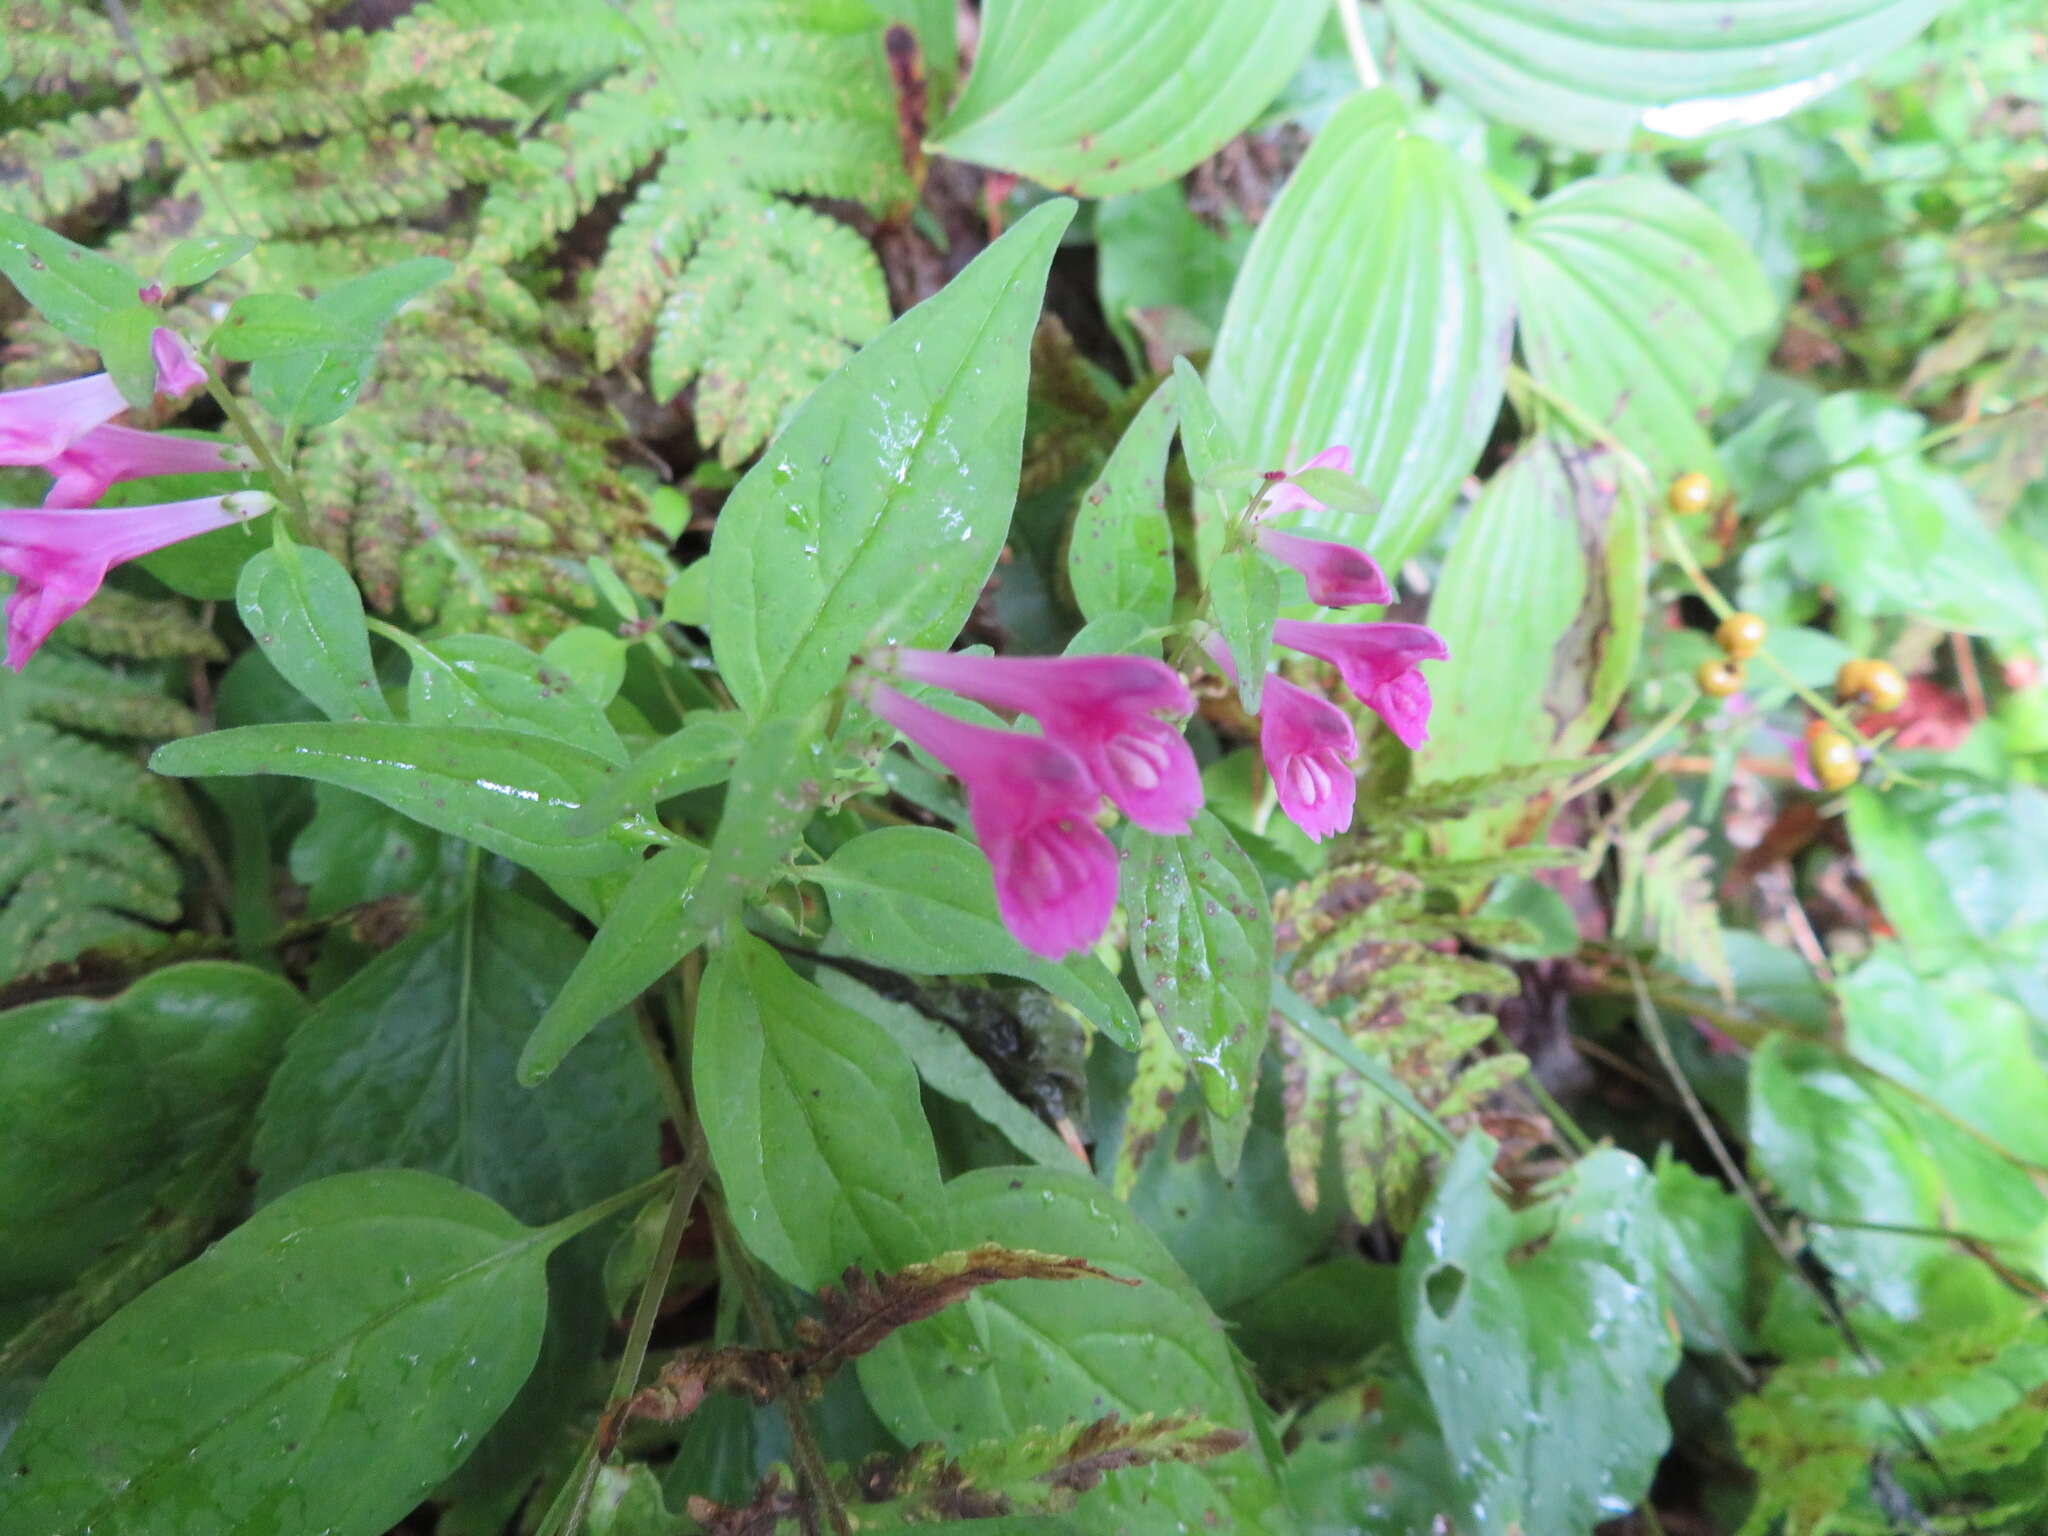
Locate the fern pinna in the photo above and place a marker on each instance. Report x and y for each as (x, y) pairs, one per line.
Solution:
(736, 108)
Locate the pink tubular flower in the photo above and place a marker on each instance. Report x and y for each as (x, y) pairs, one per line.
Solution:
(107, 454)
(1378, 663)
(1033, 808)
(1103, 709)
(59, 558)
(38, 424)
(1288, 497)
(1338, 576)
(1308, 746)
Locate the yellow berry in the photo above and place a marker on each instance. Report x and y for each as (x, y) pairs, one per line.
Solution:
(1884, 689)
(1719, 678)
(1741, 635)
(1690, 493)
(1851, 680)
(1833, 759)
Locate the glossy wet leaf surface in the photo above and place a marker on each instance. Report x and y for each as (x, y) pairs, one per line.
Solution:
(1541, 1338)
(876, 515)
(321, 1367)
(787, 1076)
(923, 900)
(304, 611)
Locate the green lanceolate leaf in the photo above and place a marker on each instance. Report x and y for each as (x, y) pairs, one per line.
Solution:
(1120, 554)
(1054, 1354)
(311, 384)
(1592, 82)
(304, 610)
(69, 286)
(509, 792)
(949, 1066)
(922, 900)
(1374, 311)
(101, 1099)
(1099, 99)
(484, 680)
(410, 1064)
(677, 900)
(1245, 594)
(1541, 1337)
(644, 932)
(1644, 310)
(814, 1123)
(329, 1361)
(877, 514)
(1541, 605)
(124, 339)
(1202, 943)
(194, 261)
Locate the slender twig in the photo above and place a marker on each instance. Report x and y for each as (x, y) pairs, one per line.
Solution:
(1636, 750)
(280, 478)
(1966, 674)
(803, 1445)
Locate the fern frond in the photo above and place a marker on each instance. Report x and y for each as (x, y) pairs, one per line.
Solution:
(610, 137)
(88, 838)
(1666, 897)
(498, 39)
(752, 359)
(360, 178)
(117, 623)
(48, 169)
(65, 43)
(1361, 940)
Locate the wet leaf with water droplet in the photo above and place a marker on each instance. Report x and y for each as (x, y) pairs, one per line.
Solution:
(879, 511)
(313, 1369)
(1202, 943)
(302, 606)
(1542, 1337)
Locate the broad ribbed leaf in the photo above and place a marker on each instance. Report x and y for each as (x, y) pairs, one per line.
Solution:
(876, 516)
(1541, 604)
(1642, 308)
(1375, 310)
(1097, 99)
(1589, 74)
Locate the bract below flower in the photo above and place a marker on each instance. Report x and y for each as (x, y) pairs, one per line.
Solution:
(1103, 709)
(59, 558)
(1288, 497)
(1379, 665)
(1033, 809)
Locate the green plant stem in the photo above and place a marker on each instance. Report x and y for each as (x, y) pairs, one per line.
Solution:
(200, 161)
(1635, 753)
(803, 1446)
(281, 478)
(1359, 44)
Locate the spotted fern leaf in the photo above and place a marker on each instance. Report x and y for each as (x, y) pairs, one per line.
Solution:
(90, 842)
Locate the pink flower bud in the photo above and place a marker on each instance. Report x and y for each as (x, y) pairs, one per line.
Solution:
(1292, 498)
(1338, 576)
(1033, 809)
